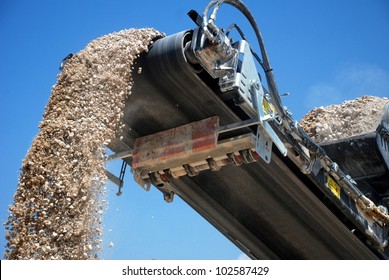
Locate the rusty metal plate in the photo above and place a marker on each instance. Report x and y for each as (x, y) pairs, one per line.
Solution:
(175, 143)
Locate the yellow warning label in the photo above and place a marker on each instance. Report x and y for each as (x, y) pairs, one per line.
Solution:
(333, 186)
(267, 107)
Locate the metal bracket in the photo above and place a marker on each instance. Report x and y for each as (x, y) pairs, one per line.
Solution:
(120, 155)
(245, 82)
(144, 183)
(263, 144)
(121, 177)
(234, 66)
(119, 181)
(114, 179)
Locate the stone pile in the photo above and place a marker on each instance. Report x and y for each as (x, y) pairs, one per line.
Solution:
(58, 203)
(350, 118)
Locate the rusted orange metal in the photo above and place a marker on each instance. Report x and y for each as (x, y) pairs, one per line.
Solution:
(175, 143)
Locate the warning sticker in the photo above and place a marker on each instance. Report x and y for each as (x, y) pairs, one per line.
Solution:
(333, 186)
(267, 107)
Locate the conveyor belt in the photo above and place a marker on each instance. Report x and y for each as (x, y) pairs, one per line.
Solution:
(368, 167)
(266, 210)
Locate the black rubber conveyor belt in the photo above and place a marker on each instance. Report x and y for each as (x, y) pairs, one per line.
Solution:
(266, 210)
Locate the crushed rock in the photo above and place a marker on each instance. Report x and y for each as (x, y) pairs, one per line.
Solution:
(350, 118)
(56, 213)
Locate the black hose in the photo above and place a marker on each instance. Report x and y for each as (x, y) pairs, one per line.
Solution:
(273, 89)
(234, 25)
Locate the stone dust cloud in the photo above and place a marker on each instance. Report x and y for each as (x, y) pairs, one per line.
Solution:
(56, 213)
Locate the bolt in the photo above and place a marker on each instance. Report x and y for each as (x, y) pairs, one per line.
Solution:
(255, 85)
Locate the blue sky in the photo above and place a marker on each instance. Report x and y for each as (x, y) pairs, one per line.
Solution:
(322, 52)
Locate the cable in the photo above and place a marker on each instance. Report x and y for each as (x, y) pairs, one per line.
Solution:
(273, 89)
(234, 25)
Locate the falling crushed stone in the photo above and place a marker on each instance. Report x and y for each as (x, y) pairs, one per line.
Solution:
(57, 206)
(56, 213)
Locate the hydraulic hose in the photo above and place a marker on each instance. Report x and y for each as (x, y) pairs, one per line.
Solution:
(287, 120)
(273, 89)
